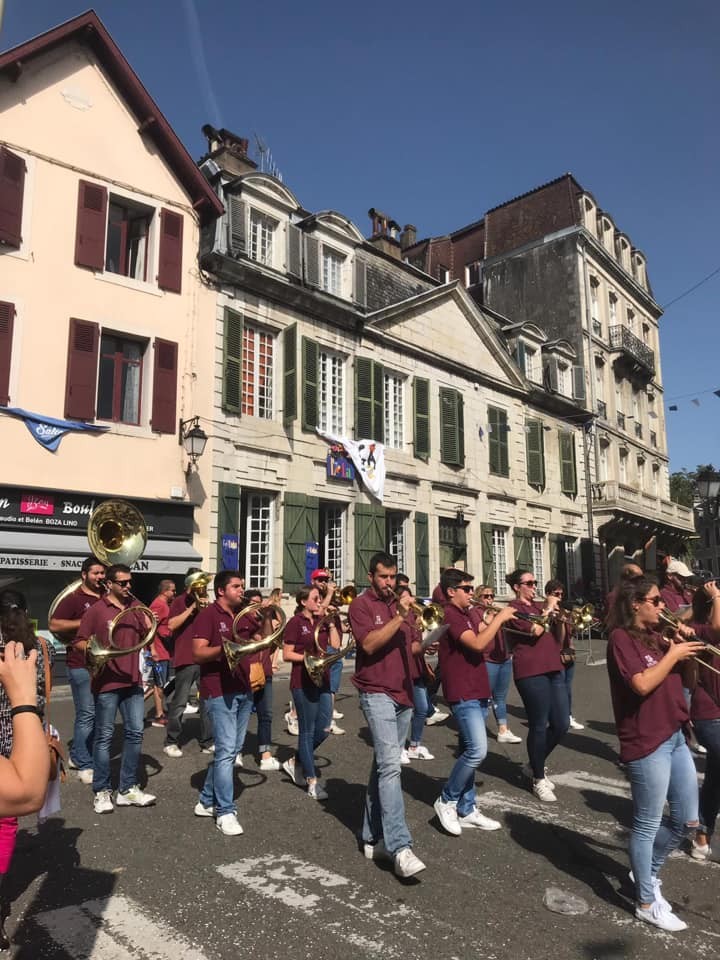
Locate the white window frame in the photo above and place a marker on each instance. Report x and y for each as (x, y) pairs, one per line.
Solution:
(263, 402)
(564, 378)
(533, 364)
(612, 307)
(258, 540)
(334, 539)
(394, 410)
(603, 462)
(261, 245)
(331, 392)
(397, 542)
(571, 564)
(623, 466)
(538, 555)
(473, 269)
(499, 557)
(641, 475)
(333, 270)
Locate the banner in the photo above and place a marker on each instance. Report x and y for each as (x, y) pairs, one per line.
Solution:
(368, 458)
(46, 430)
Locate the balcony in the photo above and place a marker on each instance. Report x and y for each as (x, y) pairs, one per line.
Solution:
(635, 358)
(612, 494)
(602, 409)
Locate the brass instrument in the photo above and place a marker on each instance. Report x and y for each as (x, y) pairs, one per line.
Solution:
(541, 619)
(344, 597)
(235, 650)
(430, 614)
(197, 584)
(317, 665)
(579, 617)
(97, 656)
(671, 623)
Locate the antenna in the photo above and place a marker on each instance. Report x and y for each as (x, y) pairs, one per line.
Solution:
(267, 164)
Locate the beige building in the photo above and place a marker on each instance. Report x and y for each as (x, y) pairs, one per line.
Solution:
(102, 307)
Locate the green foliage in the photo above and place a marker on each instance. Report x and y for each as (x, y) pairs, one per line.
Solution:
(682, 483)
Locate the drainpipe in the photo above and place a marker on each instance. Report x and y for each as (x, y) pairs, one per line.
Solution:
(589, 433)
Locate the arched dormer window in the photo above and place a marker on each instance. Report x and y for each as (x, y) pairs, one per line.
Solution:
(526, 341)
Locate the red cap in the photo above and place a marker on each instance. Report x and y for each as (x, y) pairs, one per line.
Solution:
(320, 572)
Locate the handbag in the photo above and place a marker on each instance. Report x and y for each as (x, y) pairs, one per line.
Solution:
(257, 676)
(57, 754)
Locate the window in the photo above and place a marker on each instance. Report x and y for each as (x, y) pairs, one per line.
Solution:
(452, 542)
(594, 306)
(623, 472)
(612, 300)
(568, 471)
(602, 462)
(258, 540)
(563, 378)
(128, 231)
(120, 379)
(535, 453)
(332, 271)
(257, 373)
(533, 367)
(630, 320)
(331, 392)
(571, 565)
(498, 442)
(443, 274)
(332, 521)
(653, 439)
(262, 231)
(538, 543)
(717, 535)
(395, 538)
(394, 411)
(452, 436)
(641, 474)
(499, 559)
(473, 274)
(656, 480)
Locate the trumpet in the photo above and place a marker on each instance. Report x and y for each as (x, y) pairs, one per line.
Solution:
(430, 614)
(671, 624)
(579, 617)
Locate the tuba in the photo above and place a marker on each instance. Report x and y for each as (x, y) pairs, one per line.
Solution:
(316, 666)
(236, 650)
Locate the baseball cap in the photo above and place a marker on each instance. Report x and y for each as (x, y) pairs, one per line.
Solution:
(679, 568)
(320, 574)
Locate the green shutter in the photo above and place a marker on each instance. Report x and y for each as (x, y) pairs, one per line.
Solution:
(422, 555)
(309, 384)
(421, 412)
(363, 399)
(232, 361)
(378, 403)
(554, 541)
(523, 548)
(228, 515)
(535, 450)
(498, 442)
(486, 540)
(369, 538)
(290, 373)
(300, 526)
(451, 427)
(568, 472)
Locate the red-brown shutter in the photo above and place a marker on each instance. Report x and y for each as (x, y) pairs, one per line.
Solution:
(12, 186)
(7, 319)
(80, 386)
(164, 387)
(171, 235)
(91, 222)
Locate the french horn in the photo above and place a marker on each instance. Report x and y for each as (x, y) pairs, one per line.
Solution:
(317, 665)
(235, 650)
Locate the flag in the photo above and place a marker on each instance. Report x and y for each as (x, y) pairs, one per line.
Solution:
(695, 402)
(368, 457)
(673, 408)
(47, 430)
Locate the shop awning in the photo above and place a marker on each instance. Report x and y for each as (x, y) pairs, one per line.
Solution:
(32, 550)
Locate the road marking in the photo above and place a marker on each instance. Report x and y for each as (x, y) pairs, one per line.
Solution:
(604, 830)
(581, 780)
(114, 928)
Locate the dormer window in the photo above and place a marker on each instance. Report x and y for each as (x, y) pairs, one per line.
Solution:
(262, 233)
(564, 378)
(533, 369)
(612, 300)
(332, 271)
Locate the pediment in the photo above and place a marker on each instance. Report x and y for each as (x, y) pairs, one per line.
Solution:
(339, 224)
(271, 188)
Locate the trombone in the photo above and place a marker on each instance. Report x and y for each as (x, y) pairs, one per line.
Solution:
(671, 622)
(541, 619)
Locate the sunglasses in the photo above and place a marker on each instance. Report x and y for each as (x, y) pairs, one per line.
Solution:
(321, 579)
(557, 593)
(466, 588)
(123, 583)
(655, 601)
(487, 596)
(528, 583)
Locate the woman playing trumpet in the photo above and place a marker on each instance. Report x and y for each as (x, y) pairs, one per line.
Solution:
(498, 661)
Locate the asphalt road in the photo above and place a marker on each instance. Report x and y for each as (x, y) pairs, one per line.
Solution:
(159, 883)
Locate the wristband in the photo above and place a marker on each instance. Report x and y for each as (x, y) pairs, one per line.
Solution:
(25, 708)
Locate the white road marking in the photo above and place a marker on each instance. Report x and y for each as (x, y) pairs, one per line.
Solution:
(581, 780)
(604, 830)
(114, 928)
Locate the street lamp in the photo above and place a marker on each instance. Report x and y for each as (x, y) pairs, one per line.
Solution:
(708, 488)
(193, 439)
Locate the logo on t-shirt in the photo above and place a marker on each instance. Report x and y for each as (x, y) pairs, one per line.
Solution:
(649, 659)
(378, 620)
(304, 629)
(223, 627)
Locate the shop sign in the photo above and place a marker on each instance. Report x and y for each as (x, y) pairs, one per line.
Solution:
(30, 561)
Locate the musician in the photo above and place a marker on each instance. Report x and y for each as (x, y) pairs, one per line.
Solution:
(564, 631)
(420, 673)
(322, 579)
(498, 662)
(116, 687)
(312, 703)
(382, 675)
(229, 699)
(467, 690)
(705, 712)
(674, 588)
(650, 713)
(181, 623)
(65, 621)
(631, 571)
(539, 678)
(159, 652)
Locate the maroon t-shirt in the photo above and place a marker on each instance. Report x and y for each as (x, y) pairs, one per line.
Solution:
(160, 608)
(250, 628)
(463, 671)
(642, 723)
(496, 651)
(674, 599)
(418, 667)
(300, 632)
(705, 704)
(532, 656)
(387, 670)
(74, 607)
(215, 625)
(183, 637)
(122, 671)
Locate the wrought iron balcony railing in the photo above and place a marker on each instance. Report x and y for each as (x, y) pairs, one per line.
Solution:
(623, 339)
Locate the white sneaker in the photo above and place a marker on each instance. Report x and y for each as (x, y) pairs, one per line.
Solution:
(337, 715)
(447, 815)
(697, 851)
(419, 753)
(85, 776)
(210, 749)
(295, 771)
(134, 797)
(102, 802)
(699, 749)
(291, 724)
(528, 772)
(479, 821)
(191, 708)
(406, 864)
(270, 763)
(507, 736)
(657, 890)
(543, 791)
(574, 725)
(172, 750)
(437, 717)
(334, 728)
(228, 824)
(202, 811)
(660, 916)
(71, 765)
(316, 791)
(238, 760)
(376, 851)
(404, 758)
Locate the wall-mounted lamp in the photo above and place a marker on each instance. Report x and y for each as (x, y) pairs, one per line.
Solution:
(193, 439)
(459, 515)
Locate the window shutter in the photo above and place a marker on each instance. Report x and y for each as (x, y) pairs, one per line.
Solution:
(568, 474)
(422, 555)
(301, 517)
(228, 522)
(451, 427)
(171, 237)
(237, 227)
(498, 442)
(520, 355)
(360, 283)
(309, 384)
(90, 230)
(369, 537)
(551, 374)
(7, 322)
(312, 262)
(294, 251)
(164, 395)
(523, 549)
(486, 540)
(81, 380)
(290, 373)
(363, 399)
(578, 379)
(535, 451)
(232, 361)
(378, 405)
(421, 412)
(12, 188)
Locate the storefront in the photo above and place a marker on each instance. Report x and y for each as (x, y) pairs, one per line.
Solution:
(43, 542)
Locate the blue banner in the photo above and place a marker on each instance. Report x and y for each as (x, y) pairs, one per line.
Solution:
(47, 430)
(230, 551)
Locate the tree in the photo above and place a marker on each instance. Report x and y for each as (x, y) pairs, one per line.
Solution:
(682, 483)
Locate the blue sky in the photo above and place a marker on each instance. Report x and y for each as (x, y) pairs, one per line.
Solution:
(436, 112)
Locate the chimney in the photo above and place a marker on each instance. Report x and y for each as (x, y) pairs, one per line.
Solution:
(408, 238)
(384, 233)
(229, 151)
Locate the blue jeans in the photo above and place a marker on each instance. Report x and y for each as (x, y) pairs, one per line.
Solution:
(335, 675)
(545, 700)
(668, 772)
(314, 712)
(229, 713)
(499, 675)
(421, 711)
(262, 705)
(460, 787)
(569, 674)
(384, 817)
(131, 704)
(708, 734)
(84, 702)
